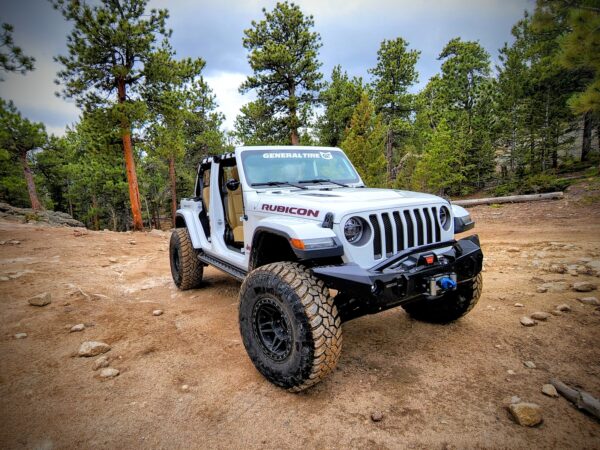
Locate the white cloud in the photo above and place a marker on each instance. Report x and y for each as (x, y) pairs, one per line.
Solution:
(225, 85)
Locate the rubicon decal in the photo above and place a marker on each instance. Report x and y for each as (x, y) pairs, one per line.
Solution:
(291, 210)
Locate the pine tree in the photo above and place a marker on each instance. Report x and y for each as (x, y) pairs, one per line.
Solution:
(171, 93)
(393, 76)
(19, 137)
(364, 143)
(107, 49)
(339, 98)
(12, 58)
(283, 53)
(438, 169)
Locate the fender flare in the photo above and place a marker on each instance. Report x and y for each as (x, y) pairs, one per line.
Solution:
(186, 218)
(302, 255)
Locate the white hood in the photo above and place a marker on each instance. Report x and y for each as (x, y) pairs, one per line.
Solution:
(339, 201)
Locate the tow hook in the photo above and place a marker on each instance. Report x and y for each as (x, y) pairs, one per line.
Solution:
(446, 283)
(440, 284)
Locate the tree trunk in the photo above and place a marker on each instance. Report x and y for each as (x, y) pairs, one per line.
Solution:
(586, 143)
(293, 118)
(95, 215)
(294, 137)
(134, 192)
(33, 198)
(389, 154)
(173, 189)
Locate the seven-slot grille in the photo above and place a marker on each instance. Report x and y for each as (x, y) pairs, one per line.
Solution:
(398, 230)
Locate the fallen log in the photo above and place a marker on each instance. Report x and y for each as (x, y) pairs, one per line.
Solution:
(579, 398)
(509, 199)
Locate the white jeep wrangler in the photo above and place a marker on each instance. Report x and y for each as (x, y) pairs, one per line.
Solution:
(315, 248)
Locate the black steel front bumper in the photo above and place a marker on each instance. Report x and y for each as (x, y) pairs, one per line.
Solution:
(404, 277)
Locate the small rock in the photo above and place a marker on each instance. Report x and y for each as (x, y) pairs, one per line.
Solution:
(376, 416)
(112, 260)
(96, 297)
(555, 286)
(557, 268)
(563, 308)
(519, 305)
(108, 372)
(20, 335)
(185, 387)
(513, 249)
(78, 327)
(14, 242)
(100, 363)
(555, 312)
(526, 414)
(41, 299)
(541, 290)
(157, 312)
(549, 390)
(584, 286)
(132, 242)
(93, 348)
(515, 399)
(529, 364)
(540, 315)
(510, 372)
(527, 322)
(589, 301)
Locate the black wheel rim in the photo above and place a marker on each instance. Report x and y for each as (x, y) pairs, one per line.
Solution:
(272, 328)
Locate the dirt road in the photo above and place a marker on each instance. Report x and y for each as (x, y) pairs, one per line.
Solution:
(186, 382)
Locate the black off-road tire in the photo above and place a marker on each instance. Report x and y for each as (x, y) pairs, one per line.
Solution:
(310, 325)
(451, 306)
(186, 268)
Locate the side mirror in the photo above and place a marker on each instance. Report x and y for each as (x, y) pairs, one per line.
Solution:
(232, 185)
(462, 219)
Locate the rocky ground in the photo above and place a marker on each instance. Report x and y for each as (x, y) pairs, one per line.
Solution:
(170, 371)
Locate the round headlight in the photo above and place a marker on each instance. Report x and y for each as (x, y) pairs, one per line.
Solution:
(445, 218)
(353, 229)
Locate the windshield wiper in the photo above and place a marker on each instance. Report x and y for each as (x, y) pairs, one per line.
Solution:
(323, 180)
(278, 183)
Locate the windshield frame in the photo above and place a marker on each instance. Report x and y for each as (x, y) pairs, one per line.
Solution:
(335, 182)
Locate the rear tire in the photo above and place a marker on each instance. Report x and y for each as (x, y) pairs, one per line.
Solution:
(453, 305)
(186, 268)
(289, 325)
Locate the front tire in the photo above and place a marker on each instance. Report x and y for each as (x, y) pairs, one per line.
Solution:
(186, 268)
(453, 305)
(289, 325)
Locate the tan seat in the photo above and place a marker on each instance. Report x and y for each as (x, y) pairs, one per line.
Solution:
(206, 197)
(235, 209)
(206, 190)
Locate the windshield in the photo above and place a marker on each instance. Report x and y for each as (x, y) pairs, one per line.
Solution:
(263, 166)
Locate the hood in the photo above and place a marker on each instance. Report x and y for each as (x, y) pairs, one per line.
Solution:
(316, 203)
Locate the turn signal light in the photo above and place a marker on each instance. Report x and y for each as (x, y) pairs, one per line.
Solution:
(297, 243)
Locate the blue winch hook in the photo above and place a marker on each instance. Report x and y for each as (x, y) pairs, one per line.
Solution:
(447, 283)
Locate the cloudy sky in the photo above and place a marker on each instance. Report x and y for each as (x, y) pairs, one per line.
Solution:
(351, 32)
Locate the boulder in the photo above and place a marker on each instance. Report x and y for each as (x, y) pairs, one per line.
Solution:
(109, 372)
(526, 414)
(589, 301)
(540, 315)
(41, 299)
(554, 286)
(100, 363)
(549, 390)
(584, 286)
(93, 348)
(527, 322)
